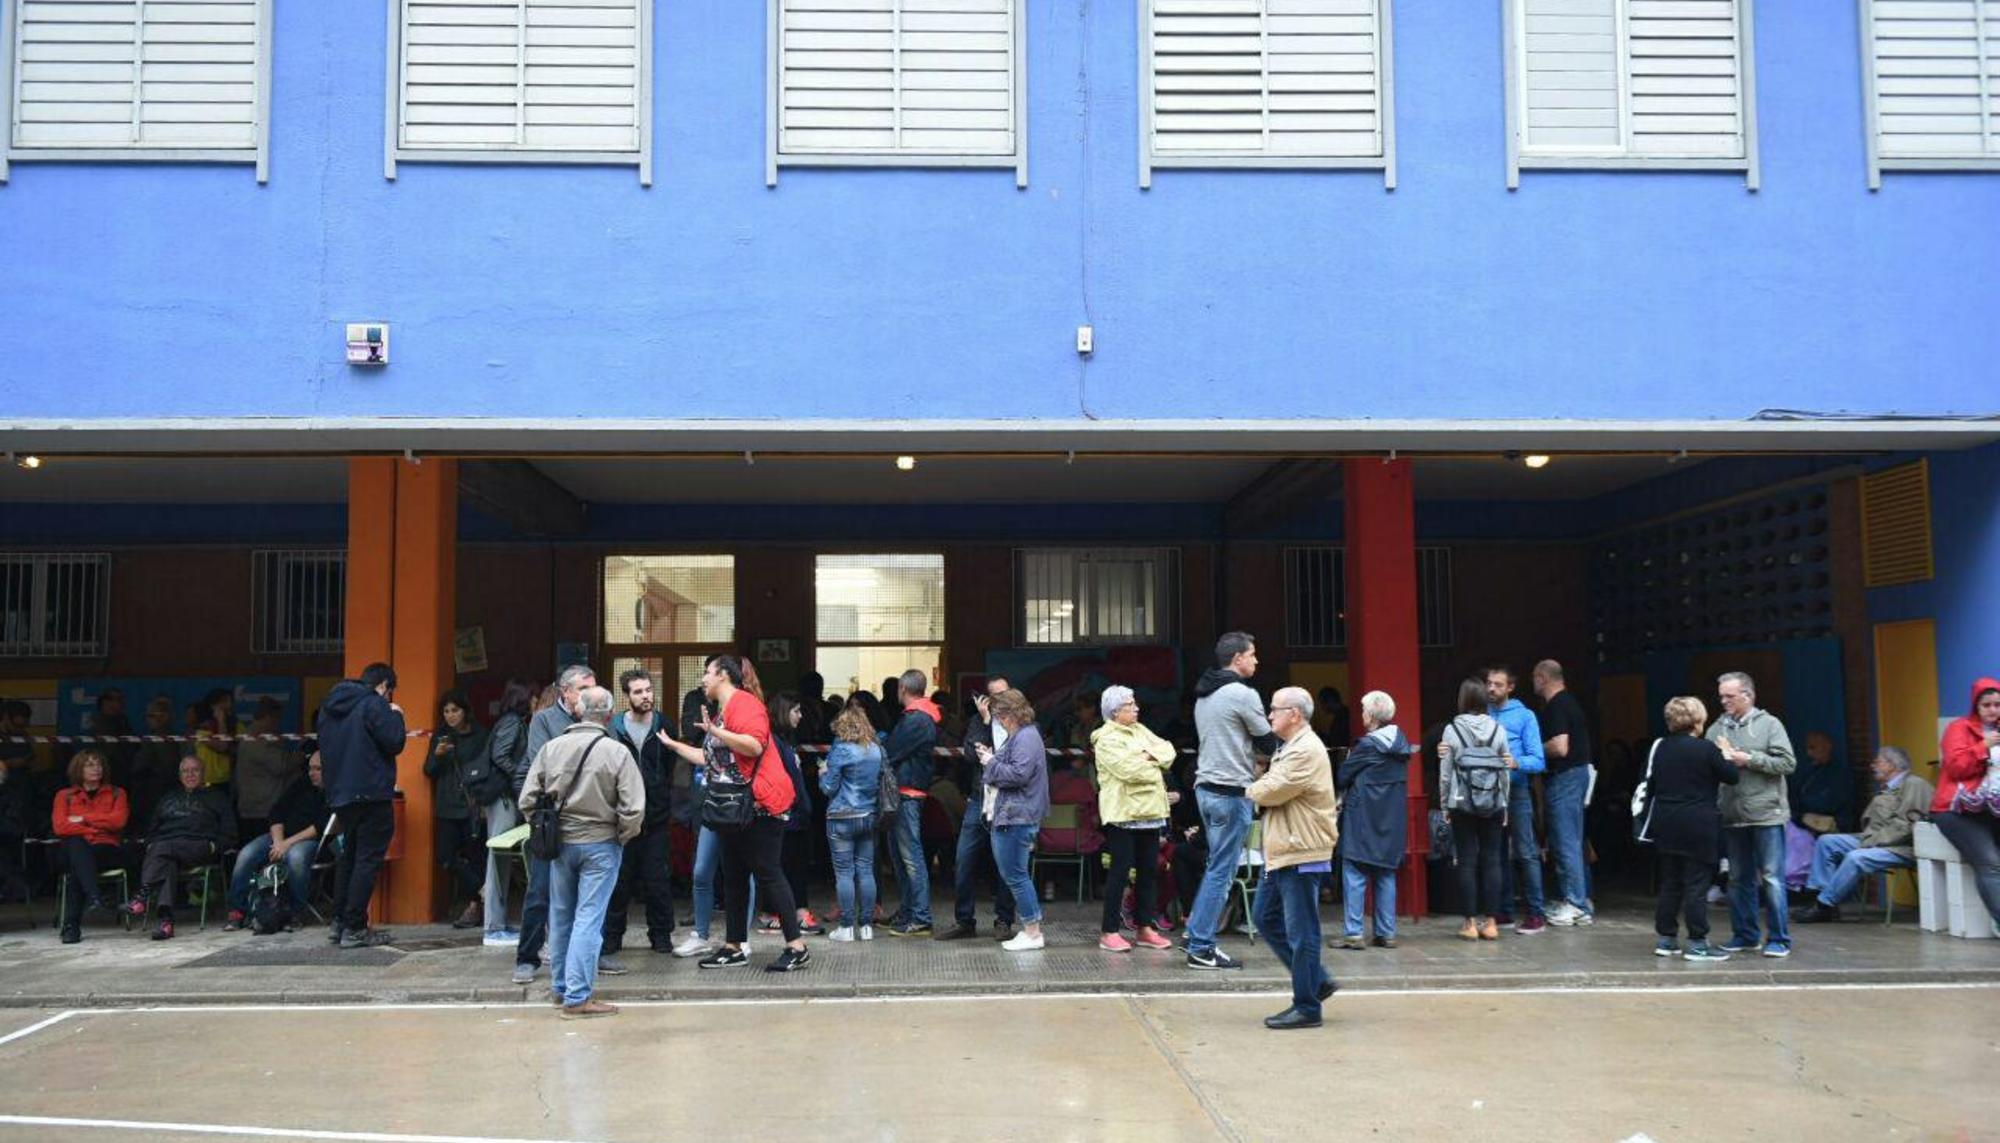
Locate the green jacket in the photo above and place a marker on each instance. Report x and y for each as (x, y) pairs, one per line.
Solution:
(1132, 763)
(1888, 821)
(1758, 798)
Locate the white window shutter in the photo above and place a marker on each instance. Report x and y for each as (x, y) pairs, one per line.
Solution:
(1266, 78)
(897, 77)
(1686, 87)
(1570, 89)
(148, 75)
(527, 75)
(1933, 83)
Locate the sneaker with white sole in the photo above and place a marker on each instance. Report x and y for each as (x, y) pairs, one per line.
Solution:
(501, 938)
(524, 973)
(867, 932)
(1562, 914)
(842, 934)
(694, 946)
(1023, 941)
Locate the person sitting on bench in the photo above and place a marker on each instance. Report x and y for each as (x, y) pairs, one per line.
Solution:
(1841, 860)
(191, 827)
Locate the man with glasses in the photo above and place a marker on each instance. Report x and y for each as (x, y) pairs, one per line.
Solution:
(1754, 812)
(1296, 793)
(1230, 722)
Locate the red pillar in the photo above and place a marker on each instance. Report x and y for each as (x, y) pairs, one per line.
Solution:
(1381, 560)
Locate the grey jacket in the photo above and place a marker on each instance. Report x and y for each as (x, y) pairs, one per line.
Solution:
(1890, 819)
(1229, 718)
(1759, 798)
(607, 801)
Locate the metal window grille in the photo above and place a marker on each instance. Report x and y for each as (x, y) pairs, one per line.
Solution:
(1316, 597)
(54, 603)
(301, 604)
(1093, 596)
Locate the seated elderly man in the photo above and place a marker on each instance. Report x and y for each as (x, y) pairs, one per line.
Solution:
(1841, 860)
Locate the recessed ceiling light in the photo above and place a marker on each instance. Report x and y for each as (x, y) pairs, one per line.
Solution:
(906, 463)
(1536, 460)
(31, 461)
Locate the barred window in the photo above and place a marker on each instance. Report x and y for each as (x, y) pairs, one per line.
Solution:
(301, 603)
(1316, 597)
(1092, 596)
(54, 603)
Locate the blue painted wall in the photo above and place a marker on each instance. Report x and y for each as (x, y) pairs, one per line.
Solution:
(146, 290)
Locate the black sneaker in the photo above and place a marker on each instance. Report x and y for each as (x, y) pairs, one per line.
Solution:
(1213, 958)
(724, 958)
(1327, 990)
(958, 932)
(791, 960)
(71, 935)
(334, 932)
(1383, 942)
(365, 939)
(1003, 930)
(910, 929)
(1819, 915)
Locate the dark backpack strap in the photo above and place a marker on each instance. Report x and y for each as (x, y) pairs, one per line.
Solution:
(575, 776)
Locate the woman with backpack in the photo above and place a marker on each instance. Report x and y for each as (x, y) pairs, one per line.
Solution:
(1473, 765)
(852, 781)
(459, 740)
(1678, 813)
(507, 755)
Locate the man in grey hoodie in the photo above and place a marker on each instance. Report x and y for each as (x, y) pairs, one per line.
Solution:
(1229, 718)
(1754, 813)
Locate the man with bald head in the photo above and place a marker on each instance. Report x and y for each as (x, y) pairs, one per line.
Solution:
(1296, 794)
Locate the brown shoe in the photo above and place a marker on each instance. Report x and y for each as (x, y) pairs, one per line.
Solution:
(1469, 931)
(1489, 930)
(473, 917)
(588, 1009)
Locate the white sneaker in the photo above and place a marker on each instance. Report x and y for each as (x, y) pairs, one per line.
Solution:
(694, 946)
(501, 938)
(1023, 941)
(1562, 913)
(867, 932)
(843, 934)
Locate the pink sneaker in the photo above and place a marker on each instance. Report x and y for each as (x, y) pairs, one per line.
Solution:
(1151, 940)
(1112, 942)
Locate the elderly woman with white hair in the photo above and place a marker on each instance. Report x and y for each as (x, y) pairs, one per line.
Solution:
(1373, 782)
(1132, 802)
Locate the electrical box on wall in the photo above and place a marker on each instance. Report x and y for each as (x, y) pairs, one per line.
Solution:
(368, 343)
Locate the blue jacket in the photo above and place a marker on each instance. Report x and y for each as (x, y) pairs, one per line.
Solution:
(1020, 772)
(1374, 808)
(359, 738)
(801, 811)
(1524, 737)
(851, 779)
(912, 746)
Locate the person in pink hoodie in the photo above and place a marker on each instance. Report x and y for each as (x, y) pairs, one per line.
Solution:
(1966, 809)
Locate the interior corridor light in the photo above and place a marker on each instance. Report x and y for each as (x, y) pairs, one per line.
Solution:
(906, 463)
(30, 461)
(1536, 460)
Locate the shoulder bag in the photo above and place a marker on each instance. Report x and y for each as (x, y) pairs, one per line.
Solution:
(730, 805)
(1642, 801)
(545, 820)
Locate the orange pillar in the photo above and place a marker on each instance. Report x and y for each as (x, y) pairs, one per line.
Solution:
(401, 573)
(1382, 636)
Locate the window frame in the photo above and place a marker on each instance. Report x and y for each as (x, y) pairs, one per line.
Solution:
(1151, 160)
(774, 96)
(267, 628)
(667, 653)
(943, 641)
(257, 156)
(1872, 108)
(394, 153)
(1515, 55)
(1166, 593)
(100, 646)
(1437, 594)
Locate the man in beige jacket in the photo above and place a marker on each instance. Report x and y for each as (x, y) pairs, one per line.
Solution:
(1296, 794)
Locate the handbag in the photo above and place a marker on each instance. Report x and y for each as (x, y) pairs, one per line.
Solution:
(730, 804)
(545, 820)
(1642, 801)
(1441, 839)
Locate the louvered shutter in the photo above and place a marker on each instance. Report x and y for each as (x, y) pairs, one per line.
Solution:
(137, 74)
(1659, 79)
(528, 75)
(1896, 525)
(1934, 85)
(1276, 78)
(889, 77)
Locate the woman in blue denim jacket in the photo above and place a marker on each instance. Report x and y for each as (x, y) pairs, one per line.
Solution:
(1015, 785)
(851, 781)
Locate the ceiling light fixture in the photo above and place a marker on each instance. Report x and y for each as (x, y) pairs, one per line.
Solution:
(1536, 460)
(906, 463)
(30, 461)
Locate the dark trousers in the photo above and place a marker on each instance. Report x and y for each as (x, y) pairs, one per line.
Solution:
(643, 872)
(1481, 844)
(165, 861)
(84, 862)
(1684, 883)
(974, 858)
(1131, 849)
(797, 860)
(1190, 861)
(754, 851)
(461, 853)
(534, 915)
(1288, 922)
(1976, 837)
(368, 827)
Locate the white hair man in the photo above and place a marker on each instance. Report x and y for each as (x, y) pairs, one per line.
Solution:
(1886, 840)
(1754, 813)
(548, 724)
(1296, 793)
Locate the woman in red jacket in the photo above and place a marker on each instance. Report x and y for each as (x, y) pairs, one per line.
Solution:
(1969, 752)
(89, 819)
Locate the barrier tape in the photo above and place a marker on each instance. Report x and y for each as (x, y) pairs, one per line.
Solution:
(90, 739)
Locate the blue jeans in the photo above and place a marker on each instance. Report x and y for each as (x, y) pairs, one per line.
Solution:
(1756, 874)
(1840, 861)
(1355, 879)
(1288, 921)
(256, 854)
(707, 863)
(852, 844)
(580, 882)
(1562, 799)
(1012, 845)
(1225, 820)
(913, 878)
(975, 855)
(1525, 870)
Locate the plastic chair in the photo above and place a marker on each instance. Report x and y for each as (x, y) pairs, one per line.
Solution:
(513, 841)
(124, 882)
(1249, 871)
(209, 881)
(1061, 817)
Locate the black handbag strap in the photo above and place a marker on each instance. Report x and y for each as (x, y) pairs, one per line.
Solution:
(574, 777)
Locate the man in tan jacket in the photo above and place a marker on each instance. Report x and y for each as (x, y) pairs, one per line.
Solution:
(1296, 794)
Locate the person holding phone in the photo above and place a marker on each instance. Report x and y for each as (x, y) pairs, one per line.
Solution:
(1014, 788)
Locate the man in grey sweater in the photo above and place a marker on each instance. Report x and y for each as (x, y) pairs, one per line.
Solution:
(1229, 718)
(595, 784)
(1754, 813)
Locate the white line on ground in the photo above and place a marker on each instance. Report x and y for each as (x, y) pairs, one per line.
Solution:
(1275, 990)
(31, 1029)
(261, 1132)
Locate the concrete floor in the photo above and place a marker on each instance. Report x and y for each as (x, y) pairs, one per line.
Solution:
(1778, 1062)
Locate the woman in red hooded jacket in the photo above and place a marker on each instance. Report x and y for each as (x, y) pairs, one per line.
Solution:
(1969, 752)
(89, 819)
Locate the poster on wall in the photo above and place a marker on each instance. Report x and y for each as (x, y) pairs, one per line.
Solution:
(76, 700)
(468, 650)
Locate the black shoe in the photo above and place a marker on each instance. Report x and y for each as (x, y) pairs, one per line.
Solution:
(1290, 1019)
(1213, 958)
(365, 939)
(1003, 930)
(334, 932)
(1327, 990)
(666, 946)
(724, 958)
(1383, 942)
(909, 929)
(1820, 915)
(791, 960)
(71, 935)
(958, 932)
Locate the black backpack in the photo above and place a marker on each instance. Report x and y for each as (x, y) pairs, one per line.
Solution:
(484, 780)
(271, 901)
(1480, 787)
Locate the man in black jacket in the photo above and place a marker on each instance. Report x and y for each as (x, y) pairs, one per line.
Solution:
(646, 855)
(360, 734)
(910, 755)
(190, 828)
